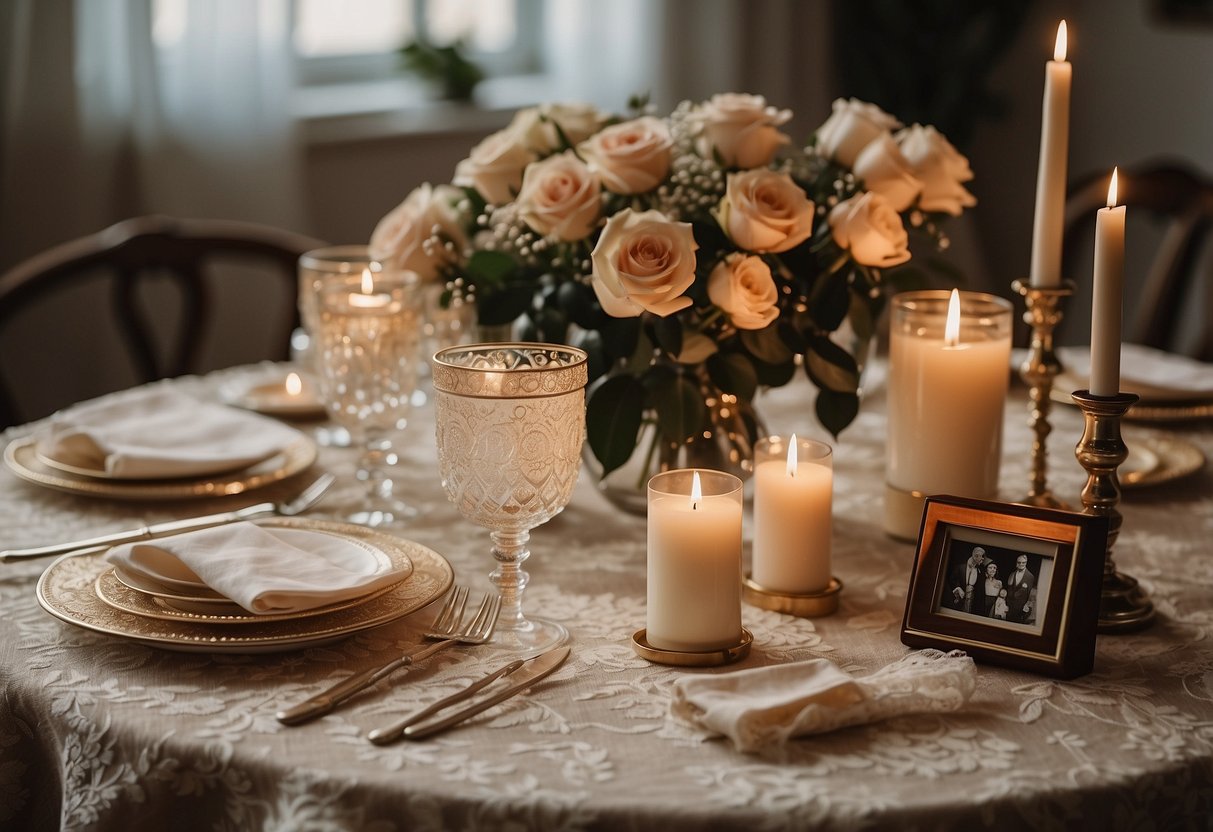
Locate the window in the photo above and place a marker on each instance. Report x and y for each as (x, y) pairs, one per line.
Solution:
(337, 41)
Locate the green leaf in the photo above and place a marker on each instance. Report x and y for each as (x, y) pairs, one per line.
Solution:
(641, 358)
(766, 345)
(503, 306)
(774, 375)
(490, 269)
(734, 373)
(577, 301)
(836, 410)
(681, 412)
(831, 367)
(830, 300)
(696, 347)
(619, 337)
(668, 332)
(612, 420)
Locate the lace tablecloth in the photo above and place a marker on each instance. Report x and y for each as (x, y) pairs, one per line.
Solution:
(97, 733)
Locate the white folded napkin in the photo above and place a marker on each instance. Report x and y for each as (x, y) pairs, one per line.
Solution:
(264, 570)
(1150, 373)
(160, 433)
(769, 705)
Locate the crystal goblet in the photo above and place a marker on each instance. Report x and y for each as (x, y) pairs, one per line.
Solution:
(318, 268)
(510, 425)
(368, 354)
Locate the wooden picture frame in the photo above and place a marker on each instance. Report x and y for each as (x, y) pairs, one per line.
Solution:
(1047, 569)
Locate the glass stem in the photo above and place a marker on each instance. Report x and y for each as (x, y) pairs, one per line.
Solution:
(509, 548)
(377, 452)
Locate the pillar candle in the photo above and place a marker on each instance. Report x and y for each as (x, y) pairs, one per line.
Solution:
(946, 397)
(1106, 298)
(1051, 168)
(694, 560)
(793, 495)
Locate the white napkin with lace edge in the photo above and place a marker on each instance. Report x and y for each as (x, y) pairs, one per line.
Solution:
(769, 705)
(160, 433)
(262, 570)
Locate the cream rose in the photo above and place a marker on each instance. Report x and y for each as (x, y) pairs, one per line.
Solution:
(536, 126)
(405, 237)
(884, 169)
(740, 128)
(632, 157)
(643, 262)
(763, 210)
(850, 128)
(871, 230)
(742, 286)
(940, 167)
(494, 167)
(560, 197)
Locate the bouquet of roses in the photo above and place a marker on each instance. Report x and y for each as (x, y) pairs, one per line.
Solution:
(696, 258)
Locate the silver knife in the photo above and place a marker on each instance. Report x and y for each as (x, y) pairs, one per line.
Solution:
(523, 672)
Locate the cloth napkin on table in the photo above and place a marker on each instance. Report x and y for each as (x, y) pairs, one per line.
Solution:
(160, 433)
(264, 570)
(1150, 373)
(769, 705)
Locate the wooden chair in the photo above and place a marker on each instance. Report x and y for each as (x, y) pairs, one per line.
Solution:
(1178, 279)
(176, 261)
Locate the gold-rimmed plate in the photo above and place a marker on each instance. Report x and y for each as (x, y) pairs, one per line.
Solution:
(201, 604)
(67, 591)
(1154, 460)
(21, 457)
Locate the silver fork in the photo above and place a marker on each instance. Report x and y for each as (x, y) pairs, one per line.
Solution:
(298, 504)
(448, 629)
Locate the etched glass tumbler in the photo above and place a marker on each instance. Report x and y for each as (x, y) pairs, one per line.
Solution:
(368, 350)
(510, 425)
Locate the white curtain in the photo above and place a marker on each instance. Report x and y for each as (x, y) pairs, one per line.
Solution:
(690, 49)
(102, 123)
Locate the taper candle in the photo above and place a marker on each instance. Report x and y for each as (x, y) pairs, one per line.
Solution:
(1051, 168)
(1106, 296)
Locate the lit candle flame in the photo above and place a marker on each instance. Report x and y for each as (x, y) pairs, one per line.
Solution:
(1059, 47)
(294, 384)
(951, 330)
(1112, 190)
(696, 491)
(368, 285)
(792, 457)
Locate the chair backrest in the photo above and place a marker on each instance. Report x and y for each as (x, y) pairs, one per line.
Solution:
(169, 258)
(1177, 286)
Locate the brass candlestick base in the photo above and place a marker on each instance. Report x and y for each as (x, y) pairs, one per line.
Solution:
(1123, 604)
(1042, 312)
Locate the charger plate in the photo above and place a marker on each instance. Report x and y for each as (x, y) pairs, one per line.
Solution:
(67, 590)
(199, 603)
(21, 457)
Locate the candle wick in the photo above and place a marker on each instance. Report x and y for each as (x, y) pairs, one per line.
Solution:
(694, 506)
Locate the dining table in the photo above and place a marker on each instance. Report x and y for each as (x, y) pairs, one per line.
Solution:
(100, 732)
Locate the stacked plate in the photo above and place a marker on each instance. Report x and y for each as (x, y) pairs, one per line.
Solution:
(1172, 388)
(185, 614)
(157, 444)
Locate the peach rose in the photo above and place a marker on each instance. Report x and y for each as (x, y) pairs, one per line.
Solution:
(632, 157)
(763, 210)
(871, 230)
(940, 167)
(643, 262)
(560, 197)
(494, 167)
(742, 286)
(404, 238)
(741, 129)
(851, 127)
(537, 125)
(886, 171)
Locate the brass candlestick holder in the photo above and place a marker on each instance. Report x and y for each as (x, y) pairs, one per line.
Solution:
(1123, 604)
(1042, 312)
